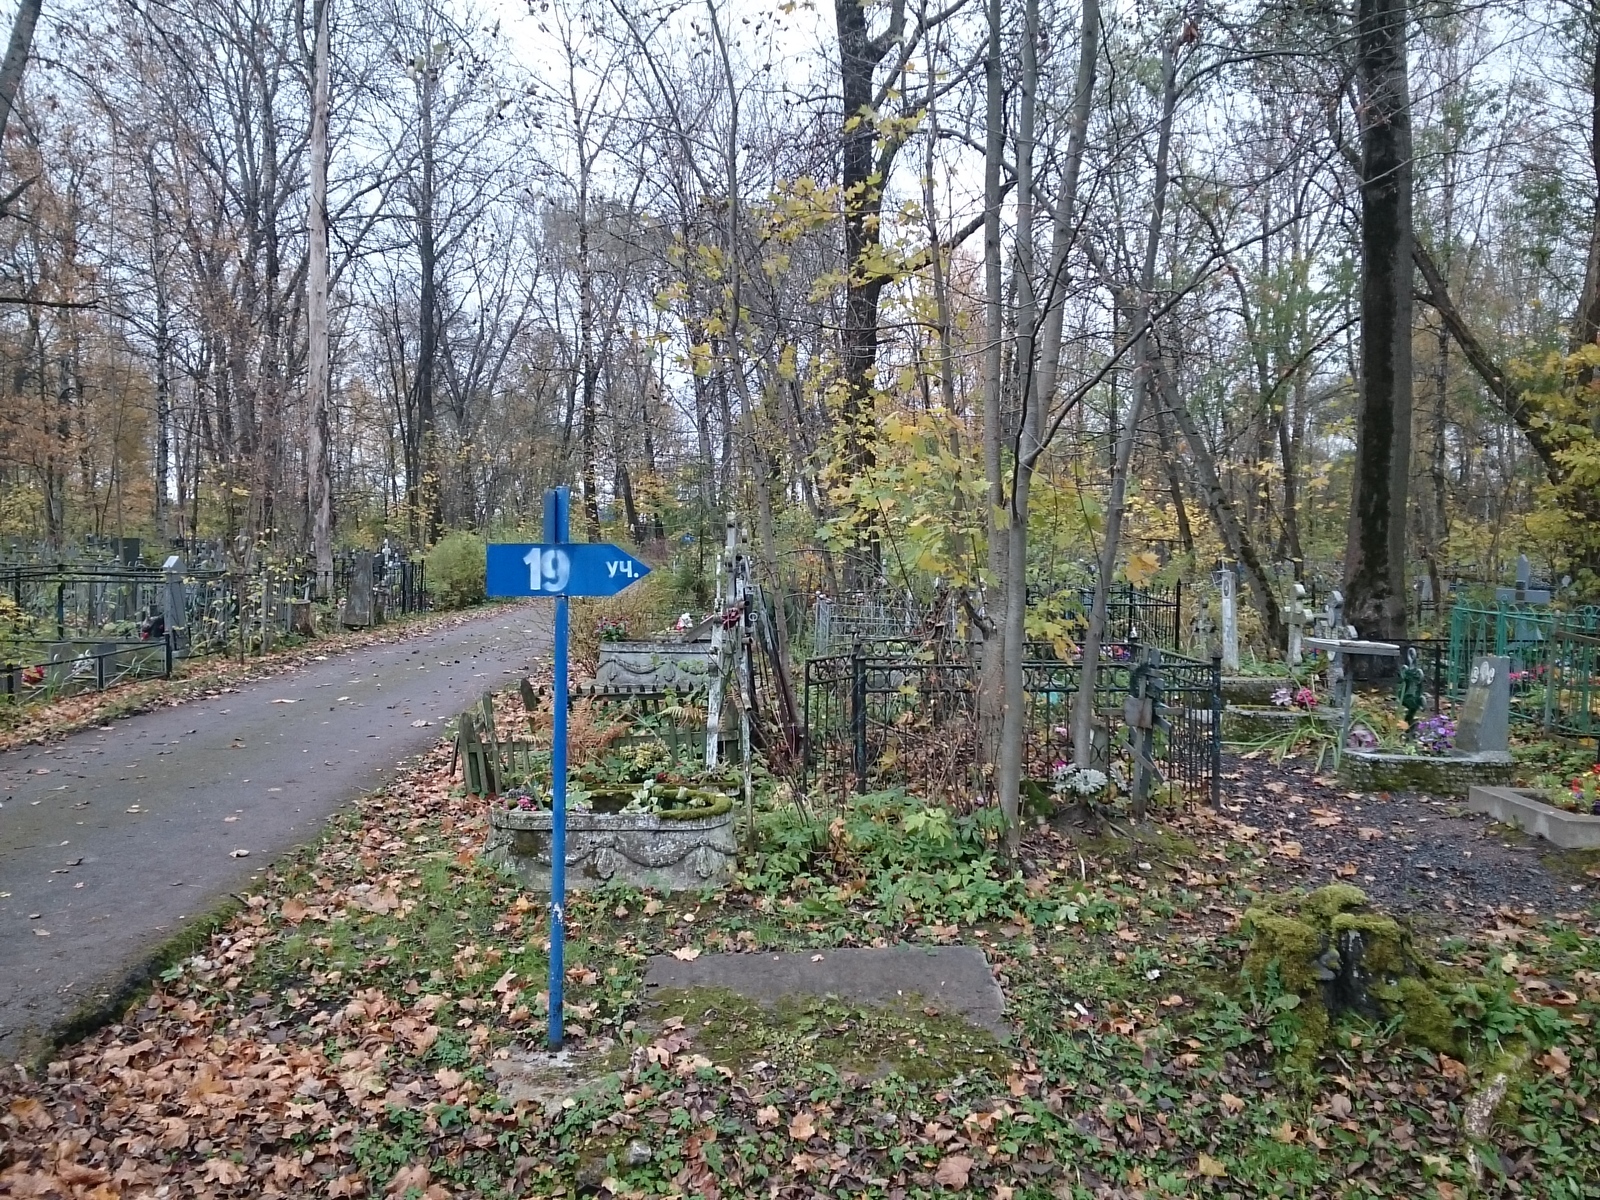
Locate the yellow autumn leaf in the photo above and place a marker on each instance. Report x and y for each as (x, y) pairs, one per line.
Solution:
(1142, 567)
(1212, 1167)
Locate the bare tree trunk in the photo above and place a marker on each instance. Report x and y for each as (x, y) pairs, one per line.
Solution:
(318, 447)
(1235, 537)
(1144, 360)
(990, 697)
(1375, 563)
(16, 60)
(163, 364)
(1169, 461)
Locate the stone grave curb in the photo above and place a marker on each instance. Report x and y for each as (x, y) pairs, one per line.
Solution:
(1246, 723)
(1250, 690)
(1520, 807)
(1439, 775)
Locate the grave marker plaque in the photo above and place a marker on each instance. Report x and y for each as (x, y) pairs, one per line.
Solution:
(358, 603)
(1485, 720)
(1226, 586)
(1297, 625)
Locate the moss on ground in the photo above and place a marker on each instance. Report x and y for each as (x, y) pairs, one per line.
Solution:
(910, 1038)
(1335, 955)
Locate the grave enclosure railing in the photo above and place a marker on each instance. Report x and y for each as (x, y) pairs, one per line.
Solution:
(1555, 661)
(77, 626)
(886, 715)
(1150, 615)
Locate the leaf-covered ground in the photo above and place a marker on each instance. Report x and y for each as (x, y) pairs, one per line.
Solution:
(344, 1036)
(22, 725)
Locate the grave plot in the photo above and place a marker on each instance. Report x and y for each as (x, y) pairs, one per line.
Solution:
(379, 1005)
(643, 806)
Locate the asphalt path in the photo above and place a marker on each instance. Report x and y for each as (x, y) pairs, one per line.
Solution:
(111, 838)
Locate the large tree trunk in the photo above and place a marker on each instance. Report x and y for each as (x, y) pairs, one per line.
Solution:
(424, 484)
(988, 617)
(1586, 322)
(865, 163)
(1375, 561)
(318, 447)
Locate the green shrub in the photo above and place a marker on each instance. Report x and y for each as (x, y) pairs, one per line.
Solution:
(455, 570)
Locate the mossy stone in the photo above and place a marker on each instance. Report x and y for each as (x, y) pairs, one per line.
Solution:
(1338, 956)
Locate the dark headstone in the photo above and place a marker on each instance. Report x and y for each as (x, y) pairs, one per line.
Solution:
(358, 603)
(1485, 720)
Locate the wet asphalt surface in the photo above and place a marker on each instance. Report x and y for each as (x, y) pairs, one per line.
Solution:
(111, 838)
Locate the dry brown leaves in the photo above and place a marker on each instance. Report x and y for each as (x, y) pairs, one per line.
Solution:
(194, 1092)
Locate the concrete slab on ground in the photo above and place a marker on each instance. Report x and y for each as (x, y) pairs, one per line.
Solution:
(954, 979)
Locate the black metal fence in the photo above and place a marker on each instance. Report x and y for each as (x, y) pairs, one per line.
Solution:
(80, 625)
(886, 715)
(1147, 616)
(68, 668)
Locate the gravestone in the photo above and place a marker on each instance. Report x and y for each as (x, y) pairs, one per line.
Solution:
(1227, 584)
(174, 608)
(1202, 630)
(664, 665)
(1330, 623)
(1484, 723)
(358, 602)
(1524, 592)
(1297, 624)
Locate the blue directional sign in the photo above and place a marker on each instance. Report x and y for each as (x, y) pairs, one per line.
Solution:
(567, 569)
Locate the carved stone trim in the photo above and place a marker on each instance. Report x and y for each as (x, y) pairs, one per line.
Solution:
(637, 848)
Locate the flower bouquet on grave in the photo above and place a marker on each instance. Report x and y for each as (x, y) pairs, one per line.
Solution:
(1435, 735)
(1301, 698)
(611, 629)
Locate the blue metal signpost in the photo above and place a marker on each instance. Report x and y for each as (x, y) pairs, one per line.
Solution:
(560, 569)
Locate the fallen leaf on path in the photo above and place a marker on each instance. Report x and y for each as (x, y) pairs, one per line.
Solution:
(295, 911)
(224, 1171)
(238, 854)
(686, 953)
(294, 701)
(30, 1112)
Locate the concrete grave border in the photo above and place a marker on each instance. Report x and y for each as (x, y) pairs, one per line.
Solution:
(1523, 808)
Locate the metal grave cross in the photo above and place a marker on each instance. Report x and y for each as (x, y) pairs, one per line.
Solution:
(559, 569)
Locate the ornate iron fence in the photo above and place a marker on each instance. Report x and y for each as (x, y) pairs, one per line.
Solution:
(887, 714)
(1555, 660)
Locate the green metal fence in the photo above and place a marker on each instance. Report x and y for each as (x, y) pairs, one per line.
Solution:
(1555, 660)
